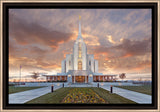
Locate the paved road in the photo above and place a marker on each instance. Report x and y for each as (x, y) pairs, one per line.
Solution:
(25, 96)
(134, 96)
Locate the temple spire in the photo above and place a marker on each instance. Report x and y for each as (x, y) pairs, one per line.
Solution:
(79, 33)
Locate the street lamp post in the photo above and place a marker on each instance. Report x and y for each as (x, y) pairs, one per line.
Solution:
(20, 75)
(52, 88)
(111, 91)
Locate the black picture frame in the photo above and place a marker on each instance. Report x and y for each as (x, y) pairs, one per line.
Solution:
(7, 6)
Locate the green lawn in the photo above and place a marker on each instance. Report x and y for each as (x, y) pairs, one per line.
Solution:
(59, 96)
(112, 98)
(146, 89)
(50, 98)
(13, 89)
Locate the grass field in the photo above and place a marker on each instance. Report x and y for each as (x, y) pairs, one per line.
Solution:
(146, 89)
(59, 96)
(55, 97)
(13, 89)
(112, 98)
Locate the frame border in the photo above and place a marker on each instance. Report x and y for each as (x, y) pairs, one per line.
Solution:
(154, 65)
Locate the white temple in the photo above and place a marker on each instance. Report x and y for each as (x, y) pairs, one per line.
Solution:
(80, 67)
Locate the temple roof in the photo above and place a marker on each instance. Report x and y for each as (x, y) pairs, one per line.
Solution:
(79, 31)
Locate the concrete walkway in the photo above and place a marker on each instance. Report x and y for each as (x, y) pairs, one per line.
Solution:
(25, 96)
(131, 95)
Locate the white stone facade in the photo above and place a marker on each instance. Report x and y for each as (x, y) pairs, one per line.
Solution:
(79, 66)
(71, 61)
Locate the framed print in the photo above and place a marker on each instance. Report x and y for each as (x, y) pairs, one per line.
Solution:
(79, 56)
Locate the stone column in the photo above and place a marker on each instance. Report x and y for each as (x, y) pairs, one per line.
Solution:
(107, 78)
(60, 77)
(74, 79)
(99, 78)
(112, 78)
(103, 78)
(86, 79)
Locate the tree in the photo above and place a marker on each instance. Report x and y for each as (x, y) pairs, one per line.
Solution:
(140, 79)
(122, 76)
(35, 75)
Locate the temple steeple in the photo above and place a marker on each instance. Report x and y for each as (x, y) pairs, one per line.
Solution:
(79, 33)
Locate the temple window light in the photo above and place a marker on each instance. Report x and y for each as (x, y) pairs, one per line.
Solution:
(79, 65)
(79, 51)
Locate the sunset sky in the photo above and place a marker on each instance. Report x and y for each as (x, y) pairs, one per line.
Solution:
(120, 39)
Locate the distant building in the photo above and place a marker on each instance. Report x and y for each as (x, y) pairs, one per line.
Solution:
(80, 67)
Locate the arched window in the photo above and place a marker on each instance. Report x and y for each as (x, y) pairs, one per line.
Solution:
(79, 65)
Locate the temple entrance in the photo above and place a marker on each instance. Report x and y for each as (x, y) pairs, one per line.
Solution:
(80, 79)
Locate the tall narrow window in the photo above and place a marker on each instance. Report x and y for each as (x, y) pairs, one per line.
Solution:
(69, 63)
(79, 65)
(89, 63)
(79, 51)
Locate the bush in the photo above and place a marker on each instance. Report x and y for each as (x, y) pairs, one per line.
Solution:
(12, 84)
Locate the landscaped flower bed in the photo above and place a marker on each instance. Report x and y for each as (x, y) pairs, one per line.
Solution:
(82, 95)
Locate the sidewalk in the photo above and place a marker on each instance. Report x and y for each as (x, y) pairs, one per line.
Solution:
(131, 95)
(25, 96)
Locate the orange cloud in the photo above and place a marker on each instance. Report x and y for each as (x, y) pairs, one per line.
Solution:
(142, 66)
(50, 66)
(106, 58)
(89, 39)
(127, 55)
(23, 42)
(61, 42)
(54, 47)
(98, 55)
(138, 68)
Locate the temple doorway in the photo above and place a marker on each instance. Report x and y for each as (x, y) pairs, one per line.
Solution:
(80, 79)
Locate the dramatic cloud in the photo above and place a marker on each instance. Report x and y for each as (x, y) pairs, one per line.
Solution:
(126, 48)
(30, 33)
(128, 56)
(120, 39)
